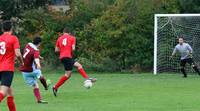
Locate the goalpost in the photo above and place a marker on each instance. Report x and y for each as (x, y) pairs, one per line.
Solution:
(166, 29)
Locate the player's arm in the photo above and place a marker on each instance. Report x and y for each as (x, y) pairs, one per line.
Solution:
(74, 44)
(190, 49)
(37, 61)
(40, 57)
(73, 47)
(57, 49)
(19, 56)
(174, 52)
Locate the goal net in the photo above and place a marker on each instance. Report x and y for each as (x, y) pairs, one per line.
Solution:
(166, 29)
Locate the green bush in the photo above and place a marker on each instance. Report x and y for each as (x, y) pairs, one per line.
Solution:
(106, 64)
(112, 35)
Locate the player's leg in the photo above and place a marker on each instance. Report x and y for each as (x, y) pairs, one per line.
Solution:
(31, 80)
(68, 65)
(6, 81)
(82, 71)
(61, 81)
(194, 66)
(43, 82)
(3, 92)
(38, 74)
(10, 100)
(183, 62)
(37, 93)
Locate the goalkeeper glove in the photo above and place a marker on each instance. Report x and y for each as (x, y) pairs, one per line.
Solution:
(190, 55)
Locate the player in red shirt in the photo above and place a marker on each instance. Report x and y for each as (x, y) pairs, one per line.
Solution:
(9, 48)
(66, 45)
(31, 69)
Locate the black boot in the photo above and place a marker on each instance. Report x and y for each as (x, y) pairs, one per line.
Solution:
(184, 73)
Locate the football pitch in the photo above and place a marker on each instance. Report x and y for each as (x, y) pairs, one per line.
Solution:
(114, 92)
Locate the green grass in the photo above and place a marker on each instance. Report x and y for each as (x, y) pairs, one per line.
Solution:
(115, 92)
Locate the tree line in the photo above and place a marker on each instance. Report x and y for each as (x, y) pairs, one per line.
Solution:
(112, 35)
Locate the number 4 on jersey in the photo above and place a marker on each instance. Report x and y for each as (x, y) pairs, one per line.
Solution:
(64, 42)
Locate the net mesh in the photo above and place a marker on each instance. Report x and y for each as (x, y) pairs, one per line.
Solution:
(167, 31)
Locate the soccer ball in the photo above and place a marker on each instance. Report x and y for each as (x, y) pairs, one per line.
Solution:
(48, 82)
(88, 84)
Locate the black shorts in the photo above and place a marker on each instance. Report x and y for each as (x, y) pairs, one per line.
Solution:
(68, 63)
(189, 61)
(6, 78)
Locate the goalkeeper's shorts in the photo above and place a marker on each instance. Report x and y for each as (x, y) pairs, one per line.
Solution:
(188, 60)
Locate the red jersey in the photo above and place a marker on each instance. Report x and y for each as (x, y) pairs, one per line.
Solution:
(65, 43)
(8, 44)
(30, 53)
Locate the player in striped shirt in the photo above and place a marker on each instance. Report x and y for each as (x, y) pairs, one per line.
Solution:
(32, 69)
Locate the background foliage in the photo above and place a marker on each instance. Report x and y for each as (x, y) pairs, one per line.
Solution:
(112, 35)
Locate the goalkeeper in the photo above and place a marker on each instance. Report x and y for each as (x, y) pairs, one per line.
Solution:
(185, 51)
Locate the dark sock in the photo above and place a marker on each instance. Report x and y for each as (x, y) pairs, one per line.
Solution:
(183, 71)
(44, 83)
(196, 69)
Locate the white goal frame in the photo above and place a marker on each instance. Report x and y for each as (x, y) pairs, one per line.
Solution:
(155, 34)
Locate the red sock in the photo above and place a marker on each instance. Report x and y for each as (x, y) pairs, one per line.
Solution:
(83, 73)
(11, 103)
(37, 94)
(1, 97)
(61, 82)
